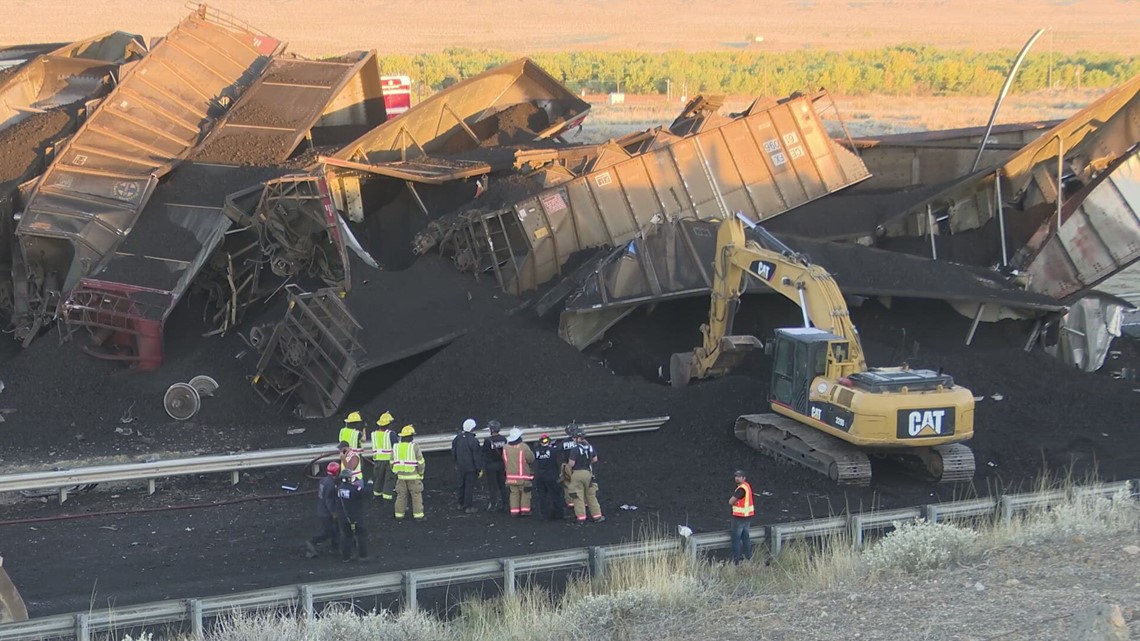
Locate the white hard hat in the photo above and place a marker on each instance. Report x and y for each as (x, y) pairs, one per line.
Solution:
(469, 425)
(515, 435)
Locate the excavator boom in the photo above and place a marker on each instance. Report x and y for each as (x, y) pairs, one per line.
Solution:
(785, 272)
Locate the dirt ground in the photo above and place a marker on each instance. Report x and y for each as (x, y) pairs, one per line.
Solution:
(1050, 591)
(334, 26)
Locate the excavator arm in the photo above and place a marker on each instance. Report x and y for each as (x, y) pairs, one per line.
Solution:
(785, 272)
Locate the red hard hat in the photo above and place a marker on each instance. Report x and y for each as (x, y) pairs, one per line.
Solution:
(333, 468)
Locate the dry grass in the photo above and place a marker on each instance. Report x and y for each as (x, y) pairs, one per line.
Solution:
(335, 26)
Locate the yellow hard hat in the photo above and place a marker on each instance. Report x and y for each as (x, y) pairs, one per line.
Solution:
(353, 418)
(385, 419)
(409, 430)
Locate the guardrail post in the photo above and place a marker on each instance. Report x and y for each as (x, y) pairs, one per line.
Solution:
(855, 529)
(1006, 507)
(62, 495)
(775, 541)
(508, 577)
(598, 562)
(930, 512)
(235, 476)
(410, 591)
(307, 602)
(195, 607)
(82, 627)
(150, 486)
(690, 547)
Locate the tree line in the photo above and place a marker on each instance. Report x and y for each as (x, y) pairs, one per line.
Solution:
(897, 70)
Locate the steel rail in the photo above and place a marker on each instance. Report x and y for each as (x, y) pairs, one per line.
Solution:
(234, 464)
(302, 597)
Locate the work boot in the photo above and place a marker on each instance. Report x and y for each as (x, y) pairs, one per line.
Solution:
(599, 519)
(311, 550)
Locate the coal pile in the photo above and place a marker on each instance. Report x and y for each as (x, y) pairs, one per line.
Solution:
(24, 142)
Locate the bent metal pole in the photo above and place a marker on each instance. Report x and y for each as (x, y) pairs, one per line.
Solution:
(1001, 96)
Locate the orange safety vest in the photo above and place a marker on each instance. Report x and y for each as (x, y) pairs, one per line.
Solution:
(518, 471)
(744, 508)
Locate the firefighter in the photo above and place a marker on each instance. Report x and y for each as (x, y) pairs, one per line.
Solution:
(743, 510)
(351, 462)
(326, 511)
(582, 459)
(496, 475)
(383, 479)
(547, 488)
(353, 432)
(350, 499)
(563, 448)
(408, 464)
(468, 460)
(592, 488)
(518, 459)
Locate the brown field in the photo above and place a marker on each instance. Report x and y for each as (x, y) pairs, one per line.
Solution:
(328, 27)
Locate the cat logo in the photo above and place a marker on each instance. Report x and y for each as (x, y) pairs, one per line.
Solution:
(764, 269)
(926, 423)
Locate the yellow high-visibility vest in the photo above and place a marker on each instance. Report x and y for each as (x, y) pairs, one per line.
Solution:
(406, 460)
(350, 435)
(382, 445)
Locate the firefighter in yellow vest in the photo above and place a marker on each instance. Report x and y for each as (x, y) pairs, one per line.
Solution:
(519, 459)
(383, 478)
(408, 464)
(743, 510)
(353, 432)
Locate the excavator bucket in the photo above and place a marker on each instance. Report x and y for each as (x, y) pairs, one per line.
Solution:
(730, 352)
(11, 605)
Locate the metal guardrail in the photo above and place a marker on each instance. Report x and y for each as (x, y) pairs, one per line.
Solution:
(234, 464)
(304, 597)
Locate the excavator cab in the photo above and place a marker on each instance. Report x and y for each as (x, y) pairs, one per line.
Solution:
(801, 355)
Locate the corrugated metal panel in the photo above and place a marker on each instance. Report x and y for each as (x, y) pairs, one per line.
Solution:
(90, 197)
(762, 164)
(1100, 235)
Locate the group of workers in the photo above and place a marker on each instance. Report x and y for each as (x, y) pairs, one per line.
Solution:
(397, 475)
(558, 475)
(550, 476)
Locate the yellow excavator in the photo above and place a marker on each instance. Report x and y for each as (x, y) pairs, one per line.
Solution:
(831, 411)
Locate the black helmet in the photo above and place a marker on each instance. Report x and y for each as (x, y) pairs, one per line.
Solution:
(571, 429)
(579, 433)
(494, 425)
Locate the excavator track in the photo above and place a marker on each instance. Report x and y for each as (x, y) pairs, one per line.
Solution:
(957, 463)
(782, 438)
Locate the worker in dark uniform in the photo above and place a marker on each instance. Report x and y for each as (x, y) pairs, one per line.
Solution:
(468, 459)
(350, 513)
(743, 510)
(326, 512)
(547, 477)
(496, 475)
